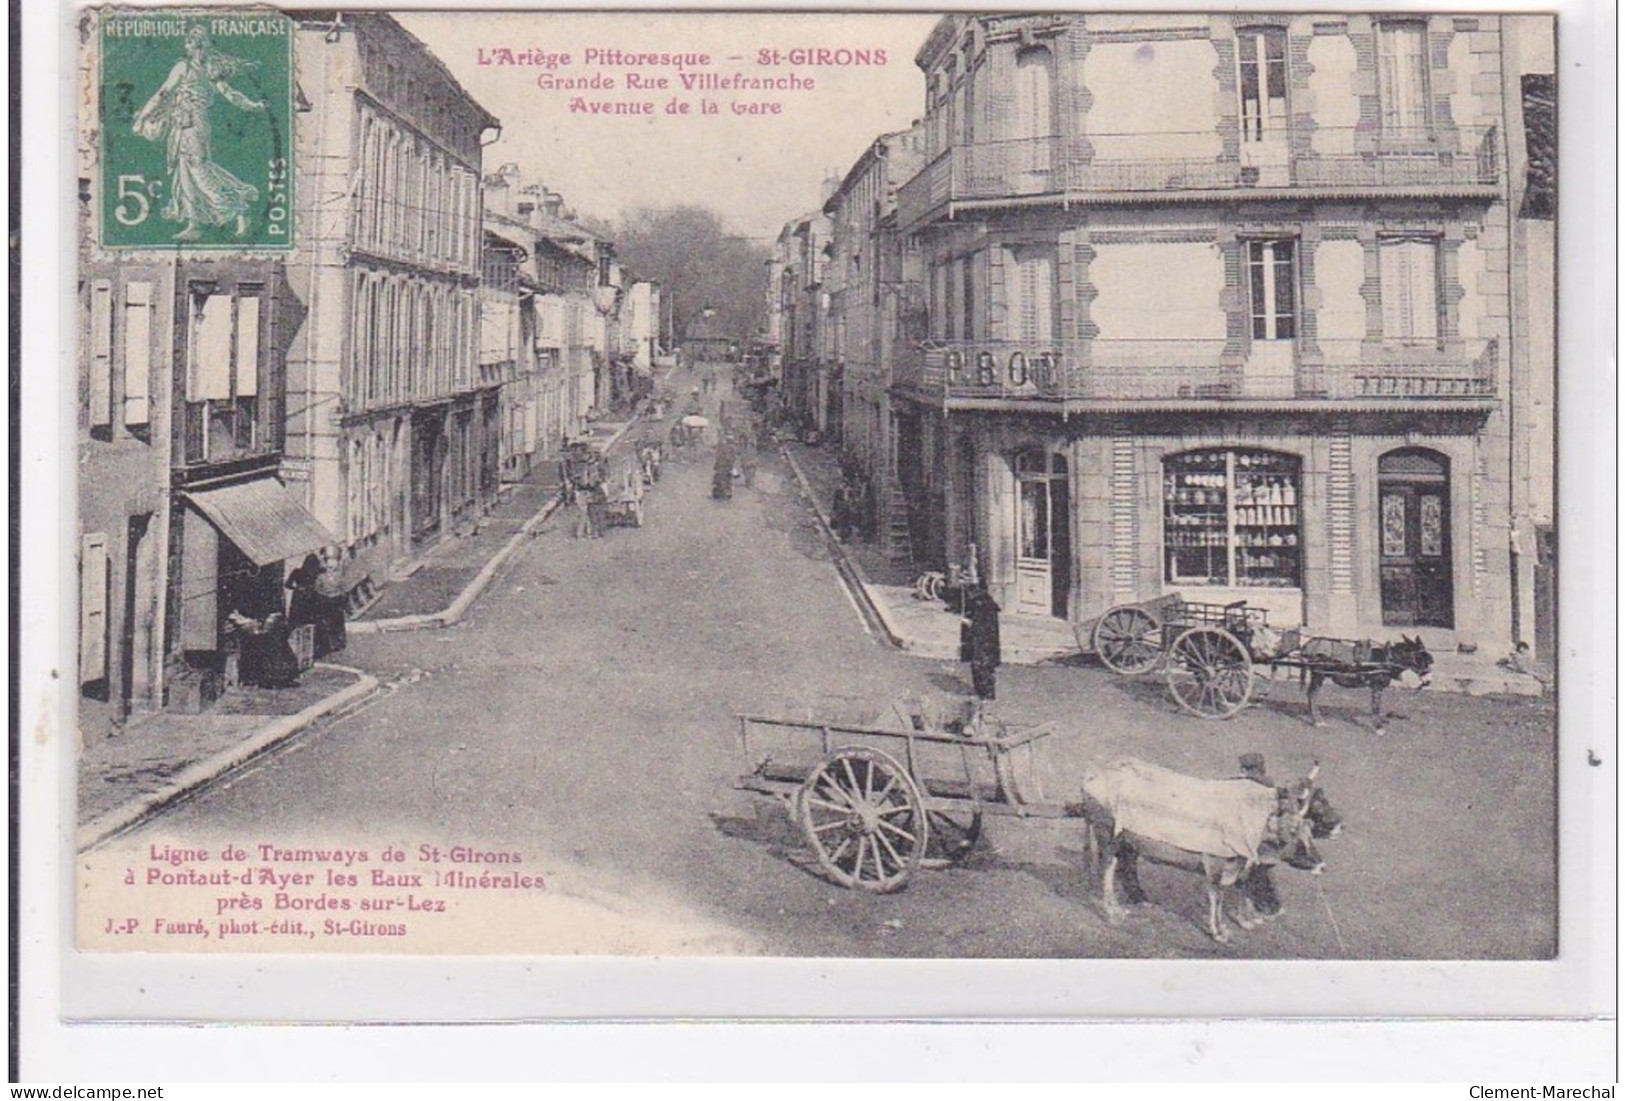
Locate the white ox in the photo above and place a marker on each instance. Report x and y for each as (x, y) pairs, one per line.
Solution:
(1226, 829)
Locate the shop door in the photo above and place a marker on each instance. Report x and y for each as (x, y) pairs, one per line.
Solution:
(1043, 544)
(1414, 519)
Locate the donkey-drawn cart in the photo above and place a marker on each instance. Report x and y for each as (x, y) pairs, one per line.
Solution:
(876, 804)
(1210, 654)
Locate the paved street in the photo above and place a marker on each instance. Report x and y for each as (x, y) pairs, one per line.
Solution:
(581, 715)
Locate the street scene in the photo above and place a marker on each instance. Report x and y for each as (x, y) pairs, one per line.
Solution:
(1072, 524)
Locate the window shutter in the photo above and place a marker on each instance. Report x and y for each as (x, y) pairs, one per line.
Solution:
(200, 568)
(248, 346)
(137, 352)
(101, 352)
(1410, 293)
(210, 377)
(92, 607)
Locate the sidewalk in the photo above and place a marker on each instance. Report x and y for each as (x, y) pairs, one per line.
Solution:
(931, 630)
(126, 775)
(453, 574)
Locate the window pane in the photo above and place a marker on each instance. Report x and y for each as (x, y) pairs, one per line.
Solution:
(1285, 286)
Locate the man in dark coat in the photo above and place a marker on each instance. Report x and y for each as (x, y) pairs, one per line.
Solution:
(979, 642)
(722, 473)
(1259, 885)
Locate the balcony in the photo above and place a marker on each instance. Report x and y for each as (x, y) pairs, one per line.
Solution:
(1080, 376)
(1326, 161)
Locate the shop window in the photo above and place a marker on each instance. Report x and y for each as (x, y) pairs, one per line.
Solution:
(1261, 60)
(1272, 284)
(1232, 518)
(1402, 77)
(1409, 272)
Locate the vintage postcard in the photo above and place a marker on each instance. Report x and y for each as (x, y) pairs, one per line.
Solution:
(1062, 486)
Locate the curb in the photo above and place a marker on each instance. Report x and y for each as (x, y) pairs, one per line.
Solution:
(877, 608)
(122, 817)
(474, 589)
(850, 572)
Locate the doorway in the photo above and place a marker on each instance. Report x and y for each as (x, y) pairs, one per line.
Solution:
(1413, 499)
(1043, 534)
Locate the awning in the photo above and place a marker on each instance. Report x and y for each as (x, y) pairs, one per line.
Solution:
(262, 519)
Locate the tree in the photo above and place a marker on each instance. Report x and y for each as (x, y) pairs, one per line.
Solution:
(699, 265)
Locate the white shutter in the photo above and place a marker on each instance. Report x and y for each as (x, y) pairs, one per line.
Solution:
(248, 346)
(101, 352)
(211, 350)
(92, 607)
(137, 352)
(1410, 292)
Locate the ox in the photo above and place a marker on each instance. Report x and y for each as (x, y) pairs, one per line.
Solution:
(1229, 830)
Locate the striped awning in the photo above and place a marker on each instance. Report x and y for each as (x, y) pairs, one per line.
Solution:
(262, 519)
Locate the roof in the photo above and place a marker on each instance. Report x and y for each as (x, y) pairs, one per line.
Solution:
(262, 519)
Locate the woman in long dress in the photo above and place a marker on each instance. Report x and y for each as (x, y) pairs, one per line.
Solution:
(200, 191)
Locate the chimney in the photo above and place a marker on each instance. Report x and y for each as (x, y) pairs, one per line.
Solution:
(552, 203)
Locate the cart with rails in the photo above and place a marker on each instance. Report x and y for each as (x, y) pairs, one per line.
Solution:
(623, 493)
(1211, 654)
(877, 804)
(1205, 651)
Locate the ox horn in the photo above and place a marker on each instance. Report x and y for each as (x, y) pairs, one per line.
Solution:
(1313, 772)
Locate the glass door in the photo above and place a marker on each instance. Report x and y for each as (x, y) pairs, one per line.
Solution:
(1414, 533)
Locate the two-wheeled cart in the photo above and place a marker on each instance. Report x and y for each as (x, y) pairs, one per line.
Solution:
(1205, 651)
(876, 804)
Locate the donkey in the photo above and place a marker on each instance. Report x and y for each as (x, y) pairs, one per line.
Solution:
(1348, 665)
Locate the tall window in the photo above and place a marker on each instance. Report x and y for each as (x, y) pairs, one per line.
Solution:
(1272, 284)
(1409, 271)
(1232, 518)
(1261, 56)
(1035, 95)
(1030, 291)
(1402, 76)
(225, 355)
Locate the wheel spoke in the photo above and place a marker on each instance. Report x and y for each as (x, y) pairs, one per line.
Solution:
(851, 779)
(839, 823)
(880, 800)
(881, 875)
(830, 787)
(838, 808)
(898, 830)
(857, 861)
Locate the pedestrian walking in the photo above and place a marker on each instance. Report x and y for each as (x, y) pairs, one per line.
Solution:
(584, 516)
(598, 508)
(722, 473)
(979, 643)
(748, 459)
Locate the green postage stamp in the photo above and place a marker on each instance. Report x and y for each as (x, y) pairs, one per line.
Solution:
(196, 127)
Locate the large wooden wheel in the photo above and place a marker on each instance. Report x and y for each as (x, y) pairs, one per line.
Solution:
(1210, 672)
(864, 818)
(1128, 640)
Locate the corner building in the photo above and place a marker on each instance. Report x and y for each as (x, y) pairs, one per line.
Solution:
(388, 411)
(1218, 305)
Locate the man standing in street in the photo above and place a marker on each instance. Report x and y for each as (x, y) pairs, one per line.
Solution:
(979, 644)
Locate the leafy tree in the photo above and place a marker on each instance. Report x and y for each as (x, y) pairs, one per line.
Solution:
(699, 265)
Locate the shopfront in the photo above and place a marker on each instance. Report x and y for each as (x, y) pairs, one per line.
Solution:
(1341, 526)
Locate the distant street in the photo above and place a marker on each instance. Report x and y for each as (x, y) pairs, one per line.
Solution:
(582, 714)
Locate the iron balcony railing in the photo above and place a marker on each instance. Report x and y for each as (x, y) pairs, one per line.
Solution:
(1320, 159)
(1188, 370)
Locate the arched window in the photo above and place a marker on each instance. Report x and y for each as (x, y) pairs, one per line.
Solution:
(1231, 517)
